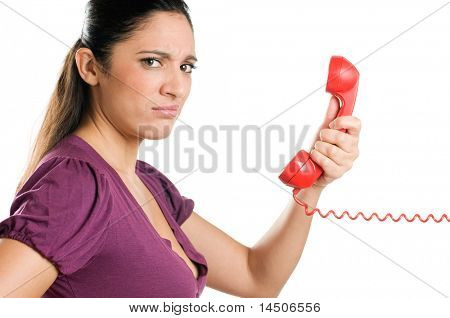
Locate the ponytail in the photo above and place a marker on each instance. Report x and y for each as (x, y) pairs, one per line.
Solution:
(64, 112)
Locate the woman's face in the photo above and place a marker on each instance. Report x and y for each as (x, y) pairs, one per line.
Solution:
(140, 80)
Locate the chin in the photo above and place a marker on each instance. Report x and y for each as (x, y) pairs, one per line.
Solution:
(155, 133)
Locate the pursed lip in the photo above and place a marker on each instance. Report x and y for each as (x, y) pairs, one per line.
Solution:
(168, 107)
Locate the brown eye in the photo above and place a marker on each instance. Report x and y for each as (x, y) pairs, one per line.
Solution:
(152, 62)
(187, 68)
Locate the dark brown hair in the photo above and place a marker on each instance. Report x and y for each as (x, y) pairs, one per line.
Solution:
(107, 22)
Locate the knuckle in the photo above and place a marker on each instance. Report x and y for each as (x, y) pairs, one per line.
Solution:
(315, 154)
(337, 173)
(338, 121)
(341, 138)
(325, 165)
(332, 150)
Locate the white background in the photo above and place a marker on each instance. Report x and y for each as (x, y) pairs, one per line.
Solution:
(256, 59)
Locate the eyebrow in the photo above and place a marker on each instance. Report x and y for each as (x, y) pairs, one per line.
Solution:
(167, 55)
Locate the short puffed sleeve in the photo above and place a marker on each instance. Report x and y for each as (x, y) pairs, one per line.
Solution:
(62, 211)
(181, 207)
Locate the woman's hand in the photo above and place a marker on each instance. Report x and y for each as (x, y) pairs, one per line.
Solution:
(334, 150)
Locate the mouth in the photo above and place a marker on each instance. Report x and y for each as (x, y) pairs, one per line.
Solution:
(170, 111)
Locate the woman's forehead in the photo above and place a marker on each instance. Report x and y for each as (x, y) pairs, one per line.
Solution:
(167, 32)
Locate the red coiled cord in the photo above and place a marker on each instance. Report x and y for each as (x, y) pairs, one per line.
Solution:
(368, 218)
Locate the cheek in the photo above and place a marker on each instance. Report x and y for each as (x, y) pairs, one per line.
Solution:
(130, 108)
(145, 88)
(131, 96)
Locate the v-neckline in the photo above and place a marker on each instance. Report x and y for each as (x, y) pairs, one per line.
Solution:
(163, 241)
(162, 207)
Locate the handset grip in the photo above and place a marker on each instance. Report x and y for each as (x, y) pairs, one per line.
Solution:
(301, 172)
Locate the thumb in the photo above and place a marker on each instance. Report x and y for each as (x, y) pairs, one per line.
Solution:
(330, 115)
(332, 111)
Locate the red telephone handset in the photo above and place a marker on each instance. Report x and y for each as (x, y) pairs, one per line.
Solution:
(301, 172)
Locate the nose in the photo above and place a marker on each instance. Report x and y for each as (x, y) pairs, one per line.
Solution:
(175, 83)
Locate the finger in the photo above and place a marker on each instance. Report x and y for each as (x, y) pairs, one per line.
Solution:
(351, 123)
(331, 113)
(339, 156)
(341, 139)
(329, 166)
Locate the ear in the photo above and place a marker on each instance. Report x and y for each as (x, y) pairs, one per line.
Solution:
(86, 65)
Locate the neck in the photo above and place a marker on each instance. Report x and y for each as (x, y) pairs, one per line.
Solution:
(116, 148)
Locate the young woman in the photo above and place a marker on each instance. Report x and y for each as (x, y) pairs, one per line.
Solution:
(89, 220)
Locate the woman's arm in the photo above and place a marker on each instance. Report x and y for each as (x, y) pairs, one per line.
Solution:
(23, 271)
(260, 271)
(274, 257)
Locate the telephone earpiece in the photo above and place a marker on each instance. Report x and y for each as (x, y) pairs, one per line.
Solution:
(301, 172)
(342, 82)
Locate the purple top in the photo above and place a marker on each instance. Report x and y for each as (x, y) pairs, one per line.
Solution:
(76, 211)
